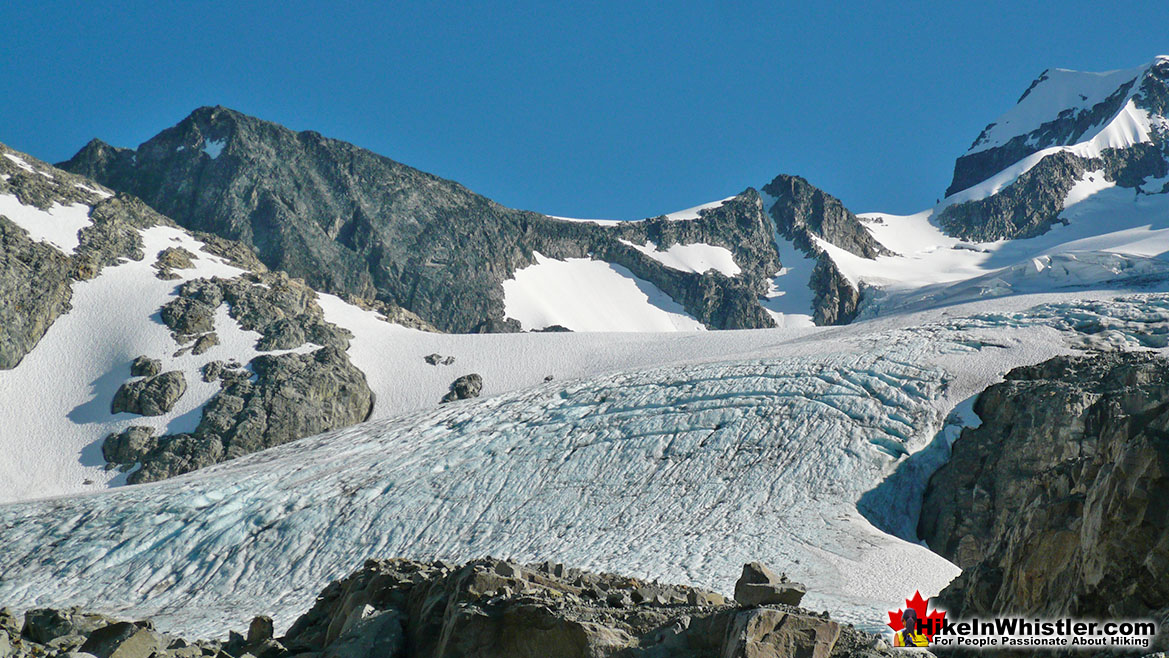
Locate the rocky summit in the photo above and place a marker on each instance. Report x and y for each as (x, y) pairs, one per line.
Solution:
(485, 608)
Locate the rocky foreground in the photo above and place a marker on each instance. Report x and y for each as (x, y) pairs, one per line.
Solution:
(406, 609)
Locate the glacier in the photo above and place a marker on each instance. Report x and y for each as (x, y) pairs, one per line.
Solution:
(677, 473)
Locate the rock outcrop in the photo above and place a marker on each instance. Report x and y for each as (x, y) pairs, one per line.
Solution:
(483, 609)
(1054, 505)
(351, 222)
(807, 216)
(761, 586)
(150, 396)
(464, 388)
(36, 277)
(1031, 204)
(293, 396)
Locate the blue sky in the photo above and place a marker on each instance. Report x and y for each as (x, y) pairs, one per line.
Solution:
(592, 109)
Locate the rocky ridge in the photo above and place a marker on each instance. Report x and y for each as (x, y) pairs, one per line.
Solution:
(1054, 506)
(807, 216)
(1031, 204)
(354, 223)
(487, 608)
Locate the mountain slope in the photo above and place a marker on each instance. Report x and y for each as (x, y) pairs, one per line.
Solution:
(351, 222)
(1014, 180)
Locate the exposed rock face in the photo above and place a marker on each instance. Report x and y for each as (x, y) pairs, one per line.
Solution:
(129, 445)
(1055, 505)
(805, 214)
(483, 609)
(1031, 205)
(35, 287)
(293, 396)
(464, 388)
(351, 222)
(35, 277)
(144, 366)
(151, 396)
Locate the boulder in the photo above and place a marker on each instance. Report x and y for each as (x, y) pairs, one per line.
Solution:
(188, 317)
(465, 387)
(204, 343)
(759, 585)
(144, 366)
(260, 629)
(438, 359)
(129, 445)
(152, 396)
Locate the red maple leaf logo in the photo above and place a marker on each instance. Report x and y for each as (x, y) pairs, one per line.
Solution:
(931, 622)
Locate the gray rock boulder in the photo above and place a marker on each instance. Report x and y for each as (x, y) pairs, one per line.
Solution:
(759, 585)
(187, 317)
(463, 388)
(152, 396)
(129, 445)
(144, 366)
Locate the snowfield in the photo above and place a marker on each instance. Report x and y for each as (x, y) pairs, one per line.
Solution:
(582, 294)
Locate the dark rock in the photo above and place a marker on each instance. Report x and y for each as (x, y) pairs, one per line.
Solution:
(354, 223)
(204, 343)
(465, 387)
(438, 359)
(293, 396)
(145, 366)
(129, 445)
(260, 629)
(35, 287)
(174, 258)
(152, 396)
(104, 641)
(43, 625)
(803, 212)
(1054, 505)
(212, 370)
(187, 317)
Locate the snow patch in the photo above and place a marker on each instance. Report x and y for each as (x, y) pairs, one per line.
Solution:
(58, 226)
(590, 295)
(20, 162)
(213, 147)
(93, 190)
(697, 257)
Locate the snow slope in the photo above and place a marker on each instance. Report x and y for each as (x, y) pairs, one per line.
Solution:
(695, 257)
(56, 407)
(679, 473)
(1066, 91)
(590, 295)
(1057, 90)
(58, 225)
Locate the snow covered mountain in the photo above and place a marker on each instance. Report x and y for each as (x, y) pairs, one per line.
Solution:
(636, 443)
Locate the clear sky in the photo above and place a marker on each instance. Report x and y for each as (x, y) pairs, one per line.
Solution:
(591, 109)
